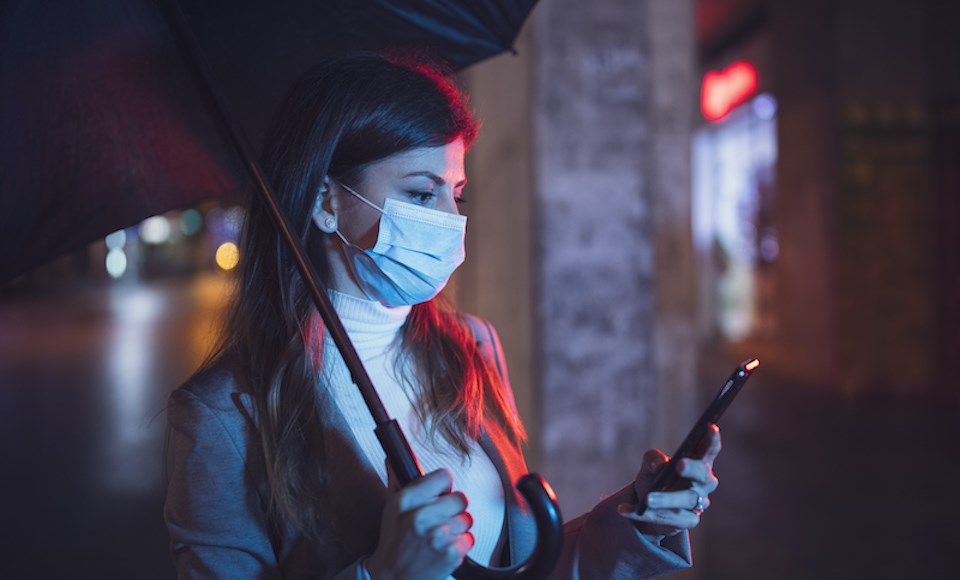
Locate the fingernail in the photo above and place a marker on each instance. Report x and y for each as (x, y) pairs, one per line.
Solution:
(653, 499)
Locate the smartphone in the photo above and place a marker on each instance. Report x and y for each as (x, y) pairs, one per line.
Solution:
(692, 446)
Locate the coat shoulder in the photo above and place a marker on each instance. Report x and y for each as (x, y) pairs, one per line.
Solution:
(488, 343)
(215, 387)
(483, 333)
(479, 327)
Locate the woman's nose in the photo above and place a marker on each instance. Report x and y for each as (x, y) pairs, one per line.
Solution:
(448, 204)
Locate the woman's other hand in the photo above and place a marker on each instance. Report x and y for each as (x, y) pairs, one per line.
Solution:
(670, 512)
(425, 531)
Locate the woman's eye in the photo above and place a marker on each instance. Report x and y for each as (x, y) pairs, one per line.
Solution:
(421, 196)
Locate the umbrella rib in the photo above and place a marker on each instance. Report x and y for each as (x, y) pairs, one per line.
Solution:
(482, 34)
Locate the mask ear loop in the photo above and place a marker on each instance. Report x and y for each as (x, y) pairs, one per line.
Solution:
(361, 198)
(354, 252)
(364, 200)
(343, 239)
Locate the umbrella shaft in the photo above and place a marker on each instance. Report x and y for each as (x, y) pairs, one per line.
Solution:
(402, 460)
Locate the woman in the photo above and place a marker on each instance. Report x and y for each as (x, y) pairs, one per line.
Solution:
(273, 468)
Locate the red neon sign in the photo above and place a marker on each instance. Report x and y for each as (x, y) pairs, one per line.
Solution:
(723, 90)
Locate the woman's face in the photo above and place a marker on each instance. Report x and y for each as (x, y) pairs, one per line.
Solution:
(432, 177)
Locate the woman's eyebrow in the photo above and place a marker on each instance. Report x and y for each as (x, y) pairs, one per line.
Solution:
(435, 178)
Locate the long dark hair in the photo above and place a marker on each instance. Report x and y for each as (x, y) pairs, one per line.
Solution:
(340, 116)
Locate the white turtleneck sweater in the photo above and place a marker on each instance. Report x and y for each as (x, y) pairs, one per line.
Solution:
(374, 330)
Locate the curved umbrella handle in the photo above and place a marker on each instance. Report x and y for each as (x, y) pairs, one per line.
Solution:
(546, 513)
(533, 488)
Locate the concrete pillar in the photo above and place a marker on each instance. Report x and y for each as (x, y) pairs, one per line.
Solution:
(605, 174)
(676, 318)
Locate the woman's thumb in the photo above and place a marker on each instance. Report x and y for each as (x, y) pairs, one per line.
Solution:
(653, 462)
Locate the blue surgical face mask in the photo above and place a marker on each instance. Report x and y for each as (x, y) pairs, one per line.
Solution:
(417, 251)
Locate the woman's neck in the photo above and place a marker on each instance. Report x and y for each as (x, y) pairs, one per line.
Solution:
(372, 327)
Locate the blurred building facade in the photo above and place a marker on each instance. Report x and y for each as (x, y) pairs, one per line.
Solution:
(866, 185)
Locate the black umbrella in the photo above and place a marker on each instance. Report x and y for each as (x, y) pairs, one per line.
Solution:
(101, 125)
(75, 148)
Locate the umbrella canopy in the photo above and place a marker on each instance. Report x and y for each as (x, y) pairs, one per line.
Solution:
(102, 126)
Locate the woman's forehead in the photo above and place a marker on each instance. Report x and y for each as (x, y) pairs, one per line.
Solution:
(444, 162)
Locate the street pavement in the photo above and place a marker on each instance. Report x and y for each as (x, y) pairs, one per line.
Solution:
(816, 483)
(84, 378)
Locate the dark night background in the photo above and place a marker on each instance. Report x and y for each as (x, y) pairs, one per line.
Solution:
(630, 252)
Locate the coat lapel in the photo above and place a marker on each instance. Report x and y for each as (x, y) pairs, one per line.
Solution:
(353, 525)
(360, 494)
(519, 525)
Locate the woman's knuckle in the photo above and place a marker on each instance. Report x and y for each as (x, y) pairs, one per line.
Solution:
(445, 476)
(451, 501)
(403, 500)
(420, 522)
(439, 537)
(453, 554)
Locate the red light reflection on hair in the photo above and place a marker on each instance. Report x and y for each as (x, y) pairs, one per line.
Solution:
(723, 90)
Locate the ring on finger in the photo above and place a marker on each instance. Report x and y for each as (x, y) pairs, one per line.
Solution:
(700, 506)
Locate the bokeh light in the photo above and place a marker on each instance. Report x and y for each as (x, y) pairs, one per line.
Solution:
(116, 262)
(155, 230)
(234, 222)
(116, 240)
(228, 255)
(190, 222)
(765, 106)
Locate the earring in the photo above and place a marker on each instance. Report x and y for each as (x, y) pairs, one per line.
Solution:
(330, 222)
